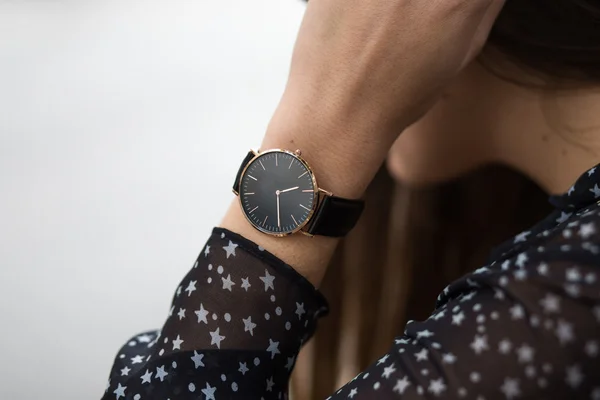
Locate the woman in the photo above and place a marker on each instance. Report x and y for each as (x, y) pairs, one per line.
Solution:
(367, 77)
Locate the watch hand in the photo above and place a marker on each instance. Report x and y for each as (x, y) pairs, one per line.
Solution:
(289, 190)
(278, 218)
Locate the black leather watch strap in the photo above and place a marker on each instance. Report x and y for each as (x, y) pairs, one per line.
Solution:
(335, 216)
(236, 184)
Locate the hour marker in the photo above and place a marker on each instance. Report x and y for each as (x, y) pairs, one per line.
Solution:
(248, 194)
(261, 164)
(254, 209)
(296, 222)
(265, 221)
(250, 176)
(303, 206)
(291, 162)
(304, 191)
(305, 172)
(276, 160)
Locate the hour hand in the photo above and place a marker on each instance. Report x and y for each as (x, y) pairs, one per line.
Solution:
(289, 190)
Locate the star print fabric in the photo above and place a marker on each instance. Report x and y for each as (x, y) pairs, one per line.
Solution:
(236, 323)
(526, 325)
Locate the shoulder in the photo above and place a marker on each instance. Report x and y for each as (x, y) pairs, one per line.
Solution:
(564, 257)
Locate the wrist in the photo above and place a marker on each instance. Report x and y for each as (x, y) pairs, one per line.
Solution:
(344, 151)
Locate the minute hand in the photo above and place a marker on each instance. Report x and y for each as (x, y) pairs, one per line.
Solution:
(289, 190)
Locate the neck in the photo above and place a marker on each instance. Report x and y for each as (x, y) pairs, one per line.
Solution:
(551, 136)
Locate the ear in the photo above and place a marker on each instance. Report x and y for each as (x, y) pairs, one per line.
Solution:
(483, 30)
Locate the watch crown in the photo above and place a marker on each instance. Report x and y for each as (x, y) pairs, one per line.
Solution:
(298, 152)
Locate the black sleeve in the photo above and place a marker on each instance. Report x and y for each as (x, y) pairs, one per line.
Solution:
(526, 327)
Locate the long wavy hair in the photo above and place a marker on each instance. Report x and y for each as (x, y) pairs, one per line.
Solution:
(410, 243)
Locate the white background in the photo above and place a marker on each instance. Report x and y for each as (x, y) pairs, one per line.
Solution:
(122, 124)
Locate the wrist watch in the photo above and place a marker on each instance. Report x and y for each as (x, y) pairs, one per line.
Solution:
(279, 196)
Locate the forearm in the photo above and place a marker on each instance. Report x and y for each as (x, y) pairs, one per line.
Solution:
(344, 166)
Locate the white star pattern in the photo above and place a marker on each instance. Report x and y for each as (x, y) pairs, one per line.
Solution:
(161, 373)
(424, 334)
(573, 275)
(216, 339)
(564, 332)
(177, 343)
(120, 391)
(227, 283)
(270, 384)
(401, 385)
(249, 325)
(197, 359)
(468, 297)
(422, 355)
(191, 288)
(448, 358)
(388, 371)
(521, 237)
(268, 280)
(273, 348)
(147, 377)
(457, 319)
(230, 249)
(209, 392)
(137, 359)
(550, 303)
(246, 284)
(525, 353)
(587, 230)
(479, 344)
(145, 338)
(436, 386)
(300, 310)
(439, 315)
(383, 359)
(521, 260)
(520, 314)
(563, 217)
(574, 376)
(517, 312)
(243, 368)
(202, 313)
(511, 388)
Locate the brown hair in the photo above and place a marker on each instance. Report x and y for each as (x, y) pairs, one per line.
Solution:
(410, 243)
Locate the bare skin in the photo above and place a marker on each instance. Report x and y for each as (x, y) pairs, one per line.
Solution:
(361, 73)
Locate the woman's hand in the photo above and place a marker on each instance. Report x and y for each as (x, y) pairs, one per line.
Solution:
(363, 70)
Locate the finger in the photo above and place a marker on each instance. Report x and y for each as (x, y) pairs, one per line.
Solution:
(483, 30)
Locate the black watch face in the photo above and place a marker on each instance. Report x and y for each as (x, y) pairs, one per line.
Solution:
(277, 193)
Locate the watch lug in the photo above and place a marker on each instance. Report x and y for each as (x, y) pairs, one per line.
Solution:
(327, 192)
(306, 233)
(235, 192)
